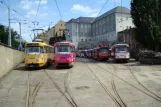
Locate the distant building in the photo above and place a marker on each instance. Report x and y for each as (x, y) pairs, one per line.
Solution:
(43, 36)
(79, 29)
(103, 28)
(106, 26)
(59, 28)
(128, 36)
(50, 33)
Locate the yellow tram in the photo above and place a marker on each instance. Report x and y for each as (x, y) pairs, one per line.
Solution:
(38, 54)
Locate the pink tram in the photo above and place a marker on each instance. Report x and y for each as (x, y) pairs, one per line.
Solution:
(64, 54)
(121, 52)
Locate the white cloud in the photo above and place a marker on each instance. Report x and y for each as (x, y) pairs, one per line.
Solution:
(44, 14)
(42, 2)
(80, 8)
(31, 13)
(45, 7)
(101, 1)
(26, 4)
(93, 15)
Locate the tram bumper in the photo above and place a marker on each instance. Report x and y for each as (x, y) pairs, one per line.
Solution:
(103, 57)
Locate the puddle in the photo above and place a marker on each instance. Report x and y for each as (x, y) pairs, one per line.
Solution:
(82, 87)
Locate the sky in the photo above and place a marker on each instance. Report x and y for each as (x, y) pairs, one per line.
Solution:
(48, 14)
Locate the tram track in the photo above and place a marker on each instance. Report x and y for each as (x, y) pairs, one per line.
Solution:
(119, 103)
(154, 97)
(142, 84)
(28, 89)
(115, 90)
(68, 96)
(30, 98)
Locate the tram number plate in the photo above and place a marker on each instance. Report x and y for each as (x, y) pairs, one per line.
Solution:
(121, 56)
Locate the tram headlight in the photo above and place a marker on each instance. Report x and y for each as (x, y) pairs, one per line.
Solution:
(57, 58)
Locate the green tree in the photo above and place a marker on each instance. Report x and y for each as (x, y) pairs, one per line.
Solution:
(4, 36)
(146, 14)
(63, 37)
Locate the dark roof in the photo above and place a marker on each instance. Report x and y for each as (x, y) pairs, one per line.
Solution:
(126, 30)
(118, 9)
(82, 20)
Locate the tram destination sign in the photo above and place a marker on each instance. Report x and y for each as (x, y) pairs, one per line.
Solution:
(63, 44)
(32, 44)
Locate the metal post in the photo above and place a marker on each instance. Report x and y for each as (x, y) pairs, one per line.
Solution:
(20, 36)
(9, 36)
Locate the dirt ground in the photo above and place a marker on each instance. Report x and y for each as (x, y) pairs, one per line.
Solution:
(88, 83)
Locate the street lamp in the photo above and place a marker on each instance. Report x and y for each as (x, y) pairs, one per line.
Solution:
(20, 45)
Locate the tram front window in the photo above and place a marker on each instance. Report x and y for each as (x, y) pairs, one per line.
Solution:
(34, 50)
(103, 50)
(62, 49)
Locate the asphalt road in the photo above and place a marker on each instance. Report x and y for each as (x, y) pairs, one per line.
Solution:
(89, 83)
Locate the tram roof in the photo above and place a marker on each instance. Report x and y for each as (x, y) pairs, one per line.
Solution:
(65, 42)
(38, 44)
(122, 45)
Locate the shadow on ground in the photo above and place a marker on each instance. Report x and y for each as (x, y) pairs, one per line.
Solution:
(49, 67)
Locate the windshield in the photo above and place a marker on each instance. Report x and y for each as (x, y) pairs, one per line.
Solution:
(103, 50)
(32, 50)
(61, 49)
(121, 49)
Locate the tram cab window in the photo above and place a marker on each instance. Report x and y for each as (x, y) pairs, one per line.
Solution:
(103, 50)
(29, 50)
(121, 49)
(60, 49)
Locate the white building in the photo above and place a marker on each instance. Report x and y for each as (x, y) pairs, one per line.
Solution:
(103, 28)
(79, 30)
(110, 23)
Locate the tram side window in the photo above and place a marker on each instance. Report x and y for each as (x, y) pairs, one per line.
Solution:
(45, 50)
(72, 49)
(41, 49)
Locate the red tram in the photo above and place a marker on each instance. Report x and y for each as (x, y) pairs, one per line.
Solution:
(102, 53)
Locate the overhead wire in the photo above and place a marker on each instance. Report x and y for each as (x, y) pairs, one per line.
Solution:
(58, 10)
(15, 10)
(21, 15)
(114, 3)
(101, 9)
(37, 9)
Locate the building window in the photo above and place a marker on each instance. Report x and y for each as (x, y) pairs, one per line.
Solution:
(81, 26)
(61, 25)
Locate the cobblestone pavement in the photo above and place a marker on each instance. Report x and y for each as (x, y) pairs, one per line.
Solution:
(89, 83)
